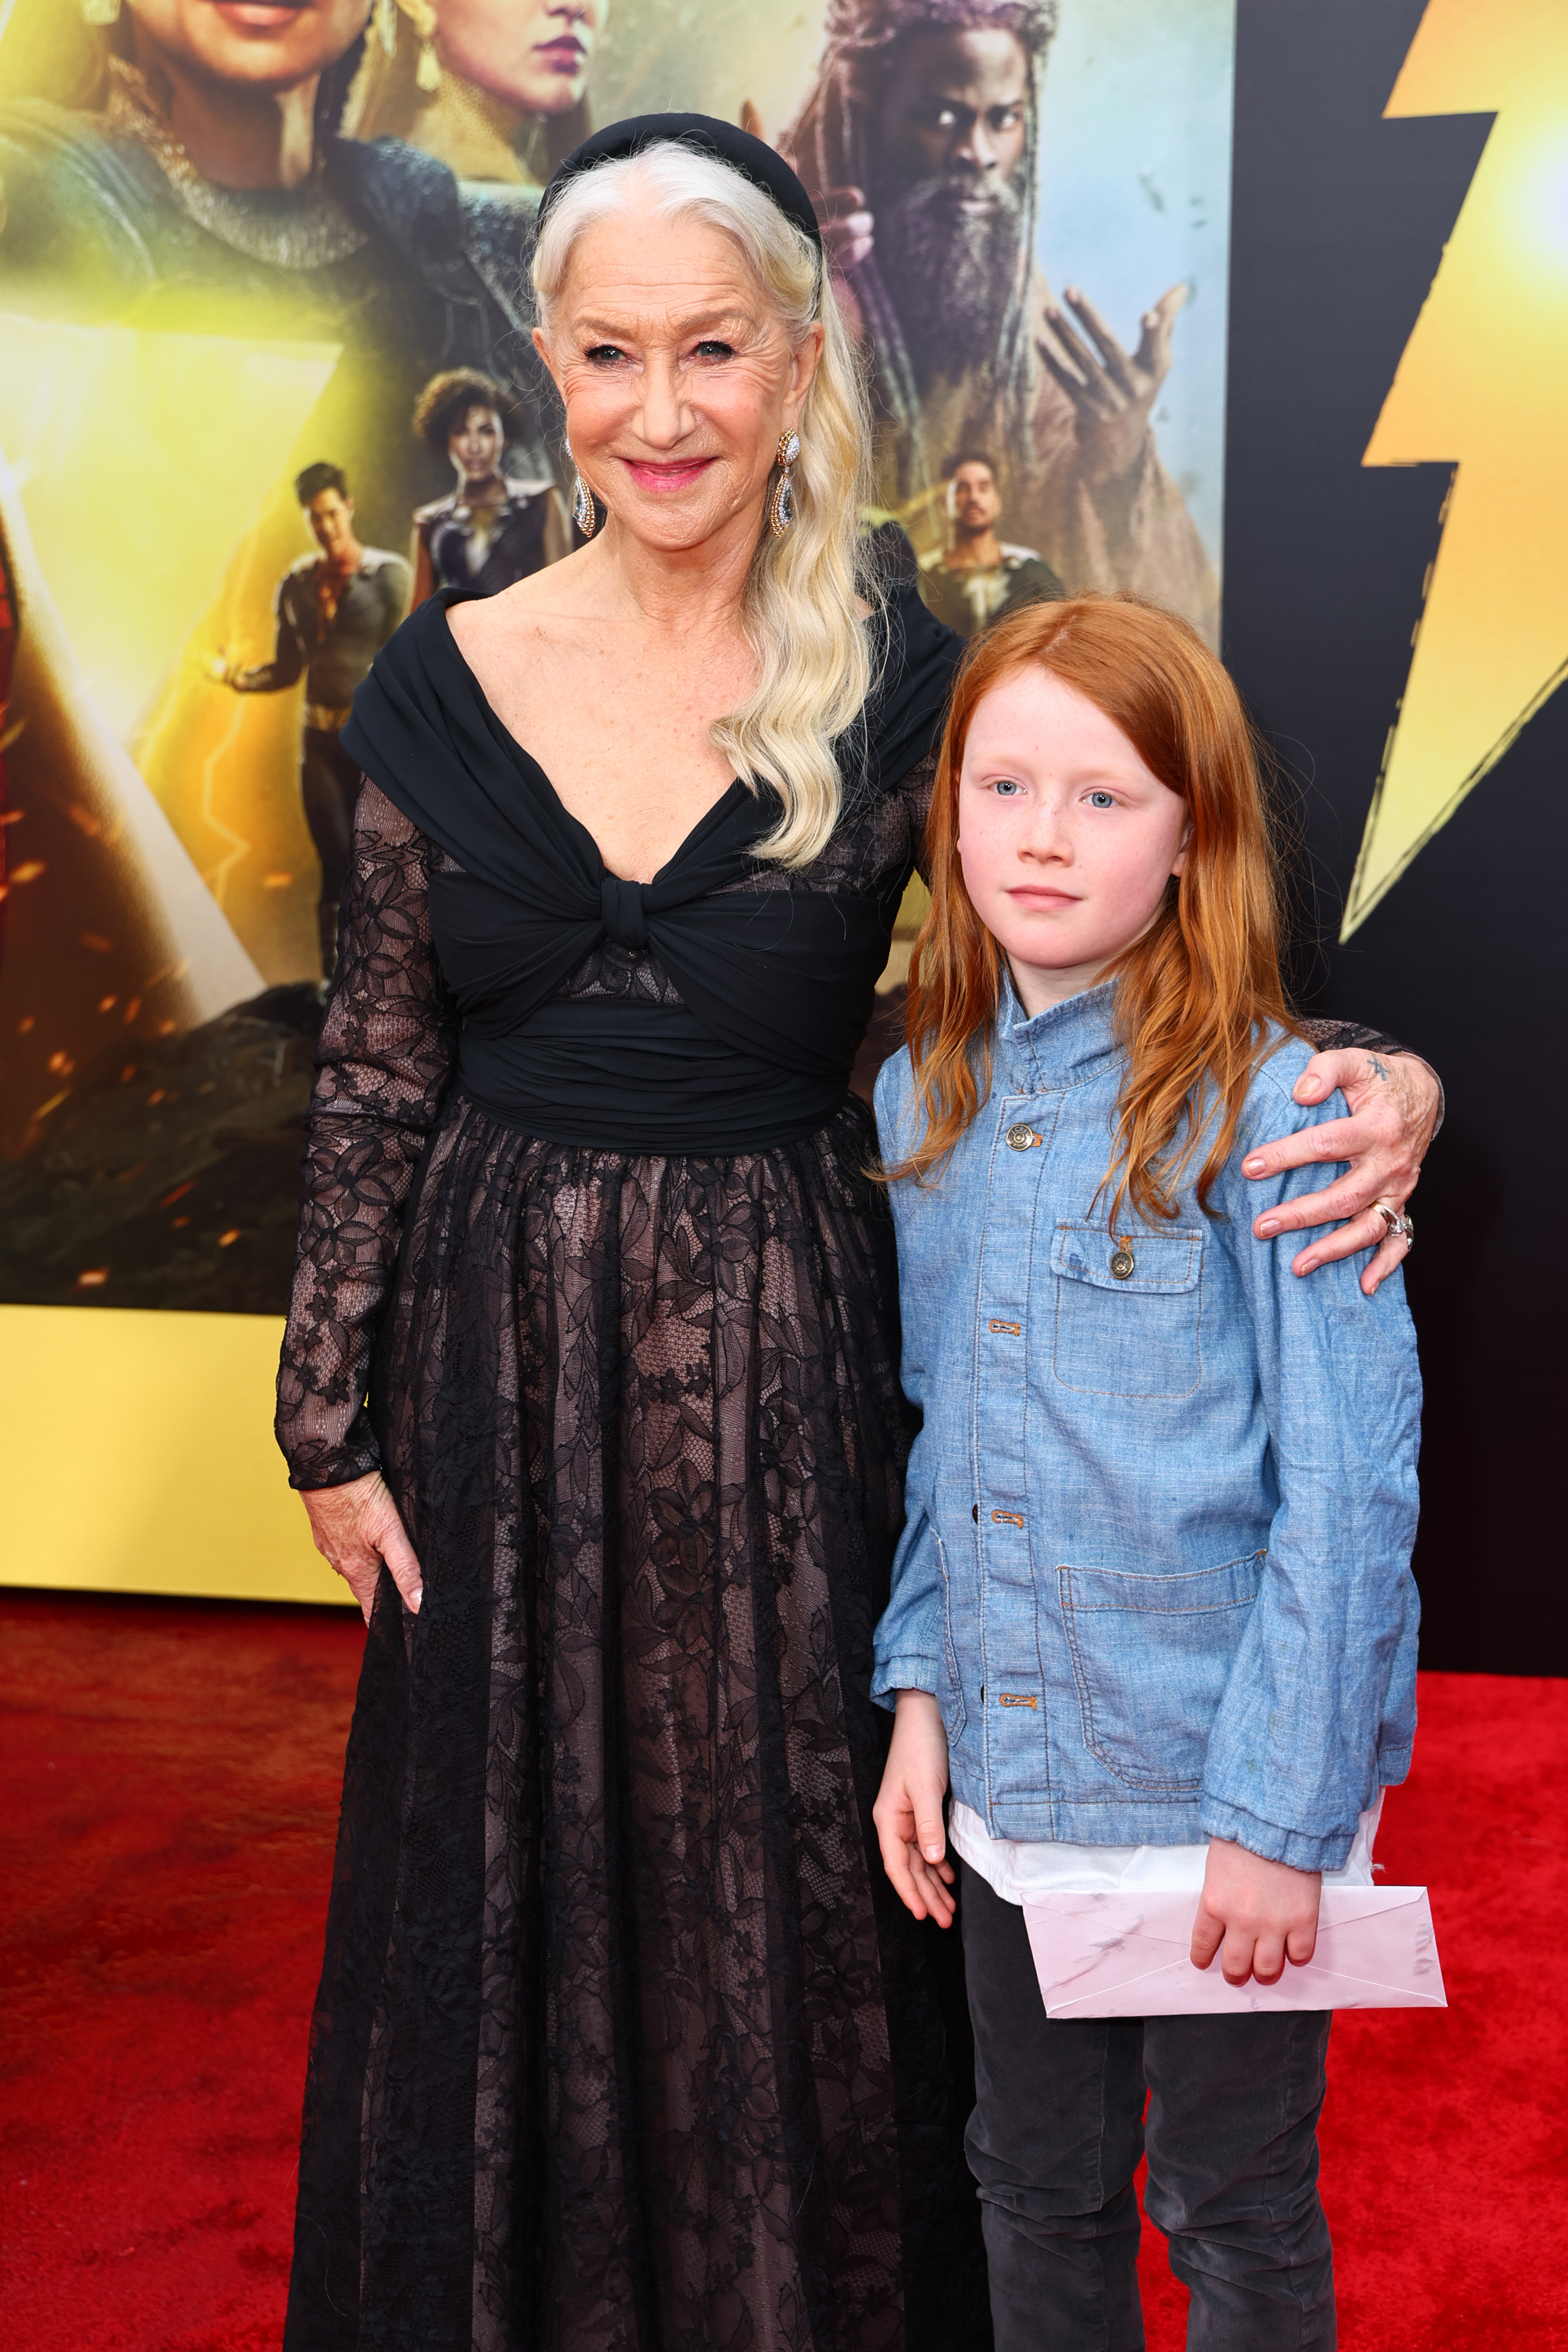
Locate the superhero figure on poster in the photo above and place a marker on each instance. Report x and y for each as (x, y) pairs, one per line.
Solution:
(920, 142)
(977, 577)
(495, 527)
(178, 164)
(335, 612)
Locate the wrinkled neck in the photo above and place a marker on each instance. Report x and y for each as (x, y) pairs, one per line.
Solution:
(679, 590)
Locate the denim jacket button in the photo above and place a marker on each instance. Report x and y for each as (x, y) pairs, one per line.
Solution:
(977, 1514)
(1122, 1263)
(1022, 1137)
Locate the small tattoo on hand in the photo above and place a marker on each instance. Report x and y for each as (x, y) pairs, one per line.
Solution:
(1378, 1070)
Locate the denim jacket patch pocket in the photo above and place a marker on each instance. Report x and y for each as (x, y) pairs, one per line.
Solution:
(1127, 1312)
(1151, 1656)
(954, 1714)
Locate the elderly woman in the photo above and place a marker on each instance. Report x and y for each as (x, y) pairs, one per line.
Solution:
(623, 2041)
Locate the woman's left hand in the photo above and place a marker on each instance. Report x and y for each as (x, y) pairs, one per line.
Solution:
(1393, 1101)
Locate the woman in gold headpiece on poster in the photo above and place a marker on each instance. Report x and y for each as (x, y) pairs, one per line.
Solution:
(493, 88)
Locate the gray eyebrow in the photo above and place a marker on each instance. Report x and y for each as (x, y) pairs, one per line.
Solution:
(699, 319)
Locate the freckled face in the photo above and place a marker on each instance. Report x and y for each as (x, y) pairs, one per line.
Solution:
(678, 377)
(1066, 838)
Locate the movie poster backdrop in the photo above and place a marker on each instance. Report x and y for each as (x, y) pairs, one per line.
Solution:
(255, 398)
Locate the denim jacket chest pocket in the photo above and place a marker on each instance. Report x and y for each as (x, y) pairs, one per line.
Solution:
(1128, 1311)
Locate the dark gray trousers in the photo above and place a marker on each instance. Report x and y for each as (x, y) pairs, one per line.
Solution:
(1056, 2133)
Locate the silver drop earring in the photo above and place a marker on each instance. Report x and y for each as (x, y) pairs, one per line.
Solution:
(584, 513)
(781, 506)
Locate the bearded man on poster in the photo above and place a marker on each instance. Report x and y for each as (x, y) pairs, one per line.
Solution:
(919, 144)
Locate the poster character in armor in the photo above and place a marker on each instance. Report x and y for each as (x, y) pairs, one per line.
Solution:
(920, 142)
(494, 89)
(335, 612)
(976, 577)
(494, 528)
(180, 167)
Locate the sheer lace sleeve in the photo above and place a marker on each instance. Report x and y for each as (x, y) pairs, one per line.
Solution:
(913, 789)
(384, 1059)
(1339, 1036)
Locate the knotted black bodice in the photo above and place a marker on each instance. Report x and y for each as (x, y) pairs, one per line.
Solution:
(774, 976)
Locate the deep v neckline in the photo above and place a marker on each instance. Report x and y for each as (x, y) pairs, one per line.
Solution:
(533, 773)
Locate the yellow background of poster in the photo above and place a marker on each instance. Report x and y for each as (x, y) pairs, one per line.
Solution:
(148, 475)
(139, 1457)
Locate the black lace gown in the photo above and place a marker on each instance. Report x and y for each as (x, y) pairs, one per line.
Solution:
(623, 2043)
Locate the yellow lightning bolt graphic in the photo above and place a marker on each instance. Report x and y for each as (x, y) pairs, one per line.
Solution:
(1483, 386)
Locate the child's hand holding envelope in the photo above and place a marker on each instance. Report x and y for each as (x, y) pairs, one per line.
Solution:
(1127, 1954)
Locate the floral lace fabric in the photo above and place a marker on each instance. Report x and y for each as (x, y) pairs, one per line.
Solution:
(623, 2041)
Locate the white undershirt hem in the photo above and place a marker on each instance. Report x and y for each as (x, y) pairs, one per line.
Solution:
(1018, 1869)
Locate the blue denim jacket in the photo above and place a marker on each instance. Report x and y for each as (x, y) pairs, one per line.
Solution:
(1156, 1568)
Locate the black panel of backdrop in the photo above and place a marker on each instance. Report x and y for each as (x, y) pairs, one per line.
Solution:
(1339, 220)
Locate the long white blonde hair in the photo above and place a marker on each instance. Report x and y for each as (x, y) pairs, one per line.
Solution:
(806, 595)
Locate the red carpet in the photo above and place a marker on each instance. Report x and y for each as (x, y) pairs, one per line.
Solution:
(166, 1848)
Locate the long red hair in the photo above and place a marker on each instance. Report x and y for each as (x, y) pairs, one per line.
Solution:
(1197, 993)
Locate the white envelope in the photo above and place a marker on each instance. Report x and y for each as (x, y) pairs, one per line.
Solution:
(1124, 1954)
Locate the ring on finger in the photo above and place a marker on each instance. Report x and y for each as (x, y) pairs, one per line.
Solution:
(1394, 1220)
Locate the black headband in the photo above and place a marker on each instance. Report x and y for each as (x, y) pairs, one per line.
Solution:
(753, 158)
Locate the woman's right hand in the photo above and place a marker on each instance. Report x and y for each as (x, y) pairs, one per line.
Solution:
(907, 1810)
(356, 1527)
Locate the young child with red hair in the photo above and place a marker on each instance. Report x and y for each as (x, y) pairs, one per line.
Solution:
(1152, 1616)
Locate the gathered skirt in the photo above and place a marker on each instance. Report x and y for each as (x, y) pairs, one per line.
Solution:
(623, 2043)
